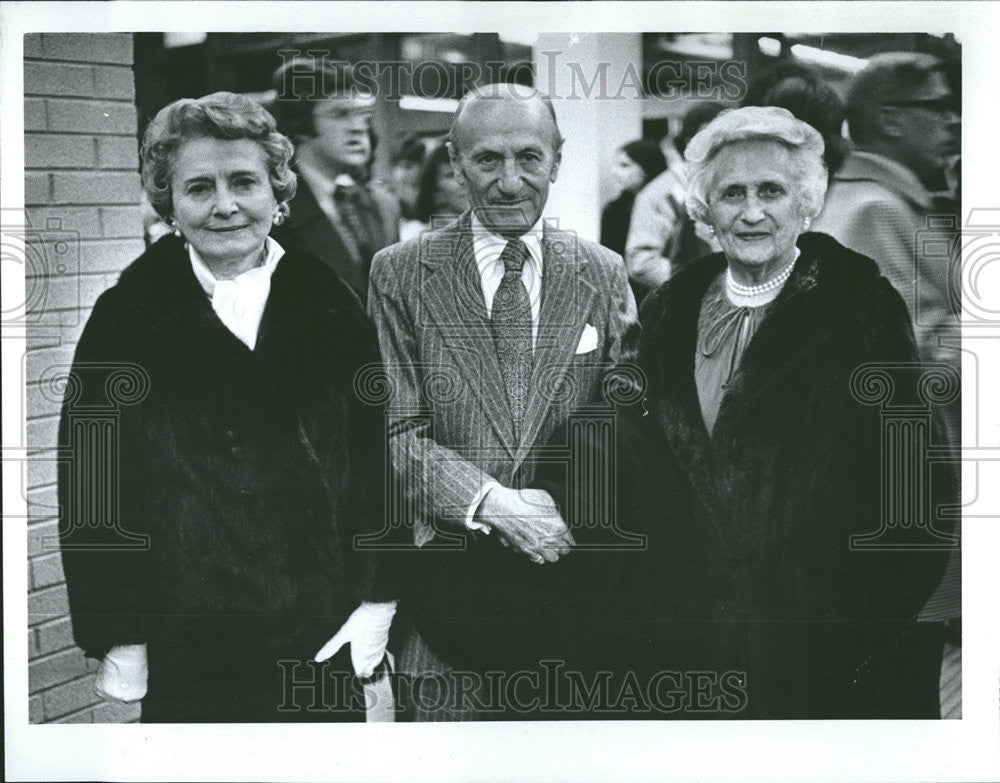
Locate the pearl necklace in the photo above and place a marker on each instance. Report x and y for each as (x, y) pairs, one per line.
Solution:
(747, 291)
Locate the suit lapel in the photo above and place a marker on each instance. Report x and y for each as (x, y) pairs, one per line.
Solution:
(373, 217)
(313, 230)
(452, 294)
(566, 300)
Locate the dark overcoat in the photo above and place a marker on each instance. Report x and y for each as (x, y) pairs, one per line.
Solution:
(312, 230)
(792, 547)
(248, 472)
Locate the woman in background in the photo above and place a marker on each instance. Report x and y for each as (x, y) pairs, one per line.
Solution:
(803, 91)
(439, 196)
(634, 165)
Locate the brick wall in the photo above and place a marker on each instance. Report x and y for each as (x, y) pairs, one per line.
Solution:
(83, 225)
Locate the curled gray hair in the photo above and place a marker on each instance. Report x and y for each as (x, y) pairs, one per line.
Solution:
(757, 123)
(221, 115)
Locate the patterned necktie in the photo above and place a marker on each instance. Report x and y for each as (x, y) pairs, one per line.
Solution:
(347, 199)
(511, 324)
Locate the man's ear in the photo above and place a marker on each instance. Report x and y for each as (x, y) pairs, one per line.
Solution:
(556, 160)
(456, 163)
(890, 121)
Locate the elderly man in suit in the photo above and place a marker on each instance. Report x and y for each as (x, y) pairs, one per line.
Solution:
(340, 215)
(493, 330)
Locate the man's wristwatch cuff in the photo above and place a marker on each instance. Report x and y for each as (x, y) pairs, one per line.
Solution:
(470, 517)
(382, 670)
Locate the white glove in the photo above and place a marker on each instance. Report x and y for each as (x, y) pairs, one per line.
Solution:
(123, 674)
(367, 629)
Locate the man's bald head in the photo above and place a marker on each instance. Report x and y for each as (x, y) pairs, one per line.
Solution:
(505, 151)
(503, 91)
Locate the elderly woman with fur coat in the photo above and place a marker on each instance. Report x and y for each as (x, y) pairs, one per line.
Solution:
(222, 468)
(783, 558)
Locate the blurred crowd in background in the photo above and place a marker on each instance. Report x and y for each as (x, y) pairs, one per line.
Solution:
(398, 138)
(374, 165)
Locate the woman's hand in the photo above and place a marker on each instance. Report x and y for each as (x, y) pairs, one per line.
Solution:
(367, 630)
(123, 674)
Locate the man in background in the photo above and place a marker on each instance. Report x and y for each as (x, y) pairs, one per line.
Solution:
(903, 119)
(338, 213)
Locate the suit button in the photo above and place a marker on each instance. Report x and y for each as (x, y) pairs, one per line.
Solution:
(229, 434)
(236, 451)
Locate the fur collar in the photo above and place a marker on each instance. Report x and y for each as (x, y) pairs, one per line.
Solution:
(161, 284)
(826, 281)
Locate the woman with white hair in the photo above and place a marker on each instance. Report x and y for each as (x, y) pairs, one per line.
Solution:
(753, 462)
(750, 357)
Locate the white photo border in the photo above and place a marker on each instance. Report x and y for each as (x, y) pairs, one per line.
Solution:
(966, 749)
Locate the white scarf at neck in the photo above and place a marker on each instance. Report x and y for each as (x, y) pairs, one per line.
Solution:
(240, 302)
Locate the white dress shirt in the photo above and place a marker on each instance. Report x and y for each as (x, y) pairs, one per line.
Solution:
(240, 302)
(323, 185)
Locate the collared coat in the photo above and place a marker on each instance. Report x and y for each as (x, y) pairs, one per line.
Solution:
(788, 551)
(819, 534)
(217, 521)
(877, 207)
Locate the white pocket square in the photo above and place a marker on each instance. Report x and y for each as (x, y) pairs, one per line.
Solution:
(588, 340)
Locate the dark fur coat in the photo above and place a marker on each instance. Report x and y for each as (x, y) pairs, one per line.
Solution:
(749, 566)
(251, 472)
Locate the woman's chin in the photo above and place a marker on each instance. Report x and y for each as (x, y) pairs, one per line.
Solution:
(228, 249)
(755, 255)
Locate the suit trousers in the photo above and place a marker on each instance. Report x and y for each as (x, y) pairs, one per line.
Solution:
(430, 690)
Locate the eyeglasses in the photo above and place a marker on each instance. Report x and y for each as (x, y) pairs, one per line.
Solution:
(345, 112)
(937, 105)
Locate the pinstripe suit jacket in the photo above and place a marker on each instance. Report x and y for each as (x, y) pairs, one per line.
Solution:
(450, 424)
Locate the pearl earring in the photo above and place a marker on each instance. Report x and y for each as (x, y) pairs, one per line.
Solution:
(281, 213)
